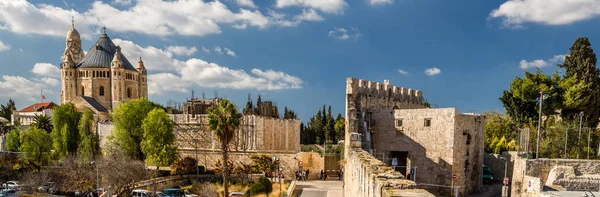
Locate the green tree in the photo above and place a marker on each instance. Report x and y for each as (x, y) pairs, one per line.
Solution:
(158, 143)
(582, 82)
(43, 122)
(263, 162)
(340, 127)
(249, 110)
(13, 140)
(498, 126)
(527, 91)
(184, 166)
(6, 110)
(289, 114)
(35, 145)
(65, 136)
(224, 121)
(128, 119)
(89, 147)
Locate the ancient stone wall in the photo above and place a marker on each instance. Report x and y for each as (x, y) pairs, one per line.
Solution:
(541, 168)
(313, 162)
(468, 152)
(288, 161)
(256, 134)
(496, 164)
(365, 176)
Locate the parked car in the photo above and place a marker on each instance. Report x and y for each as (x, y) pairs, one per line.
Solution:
(160, 194)
(12, 185)
(47, 187)
(140, 193)
(488, 177)
(174, 192)
(236, 194)
(189, 194)
(7, 193)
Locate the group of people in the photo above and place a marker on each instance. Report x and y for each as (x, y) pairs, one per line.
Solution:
(302, 175)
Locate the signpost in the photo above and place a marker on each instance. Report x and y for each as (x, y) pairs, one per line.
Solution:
(452, 188)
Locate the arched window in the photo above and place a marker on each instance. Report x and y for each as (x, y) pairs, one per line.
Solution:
(128, 93)
(82, 91)
(101, 90)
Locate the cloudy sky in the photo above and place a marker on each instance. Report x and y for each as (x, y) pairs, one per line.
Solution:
(298, 53)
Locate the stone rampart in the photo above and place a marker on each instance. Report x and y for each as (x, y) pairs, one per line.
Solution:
(289, 162)
(383, 90)
(365, 176)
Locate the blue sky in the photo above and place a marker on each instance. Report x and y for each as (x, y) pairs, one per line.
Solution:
(298, 53)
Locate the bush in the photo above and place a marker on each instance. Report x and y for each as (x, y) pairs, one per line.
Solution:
(186, 165)
(263, 186)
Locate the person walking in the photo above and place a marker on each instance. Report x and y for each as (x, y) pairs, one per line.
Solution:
(303, 175)
(307, 171)
(321, 176)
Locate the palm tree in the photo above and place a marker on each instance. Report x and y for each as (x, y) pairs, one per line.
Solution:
(224, 120)
(43, 122)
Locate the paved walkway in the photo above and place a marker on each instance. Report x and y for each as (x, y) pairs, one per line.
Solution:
(317, 188)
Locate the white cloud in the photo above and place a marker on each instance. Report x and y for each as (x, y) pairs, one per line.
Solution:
(328, 6)
(154, 58)
(241, 26)
(17, 88)
(514, 13)
(343, 34)
(212, 75)
(46, 69)
(218, 50)
(308, 15)
(432, 71)
(182, 50)
(4, 47)
(402, 72)
(247, 3)
(206, 50)
(152, 17)
(162, 83)
(539, 63)
(229, 52)
(380, 2)
(122, 2)
(50, 81)
(202, 73)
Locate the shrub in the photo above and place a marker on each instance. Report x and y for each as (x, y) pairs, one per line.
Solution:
(186, 165)
(263, 186)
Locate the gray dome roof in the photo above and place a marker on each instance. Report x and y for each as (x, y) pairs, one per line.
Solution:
(101, 55)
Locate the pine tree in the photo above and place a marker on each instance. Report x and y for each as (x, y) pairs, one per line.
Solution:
(249, 110)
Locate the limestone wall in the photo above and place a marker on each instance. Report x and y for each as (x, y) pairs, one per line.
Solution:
(256, 134)
(289, 162)
(468, 152)
(541, 168)
(496, 164)
(365, 176)
(311, 161)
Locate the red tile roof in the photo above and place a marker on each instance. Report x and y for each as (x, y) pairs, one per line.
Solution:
(38, 107)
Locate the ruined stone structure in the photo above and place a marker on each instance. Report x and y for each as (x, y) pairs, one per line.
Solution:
(101, 79)
(530, 176)
(395, 128)
(257, 134)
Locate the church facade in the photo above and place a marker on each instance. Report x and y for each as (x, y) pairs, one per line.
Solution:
(103, 78)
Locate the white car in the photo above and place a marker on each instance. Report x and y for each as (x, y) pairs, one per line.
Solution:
(236, 194)
(12, 185)
(188, 194)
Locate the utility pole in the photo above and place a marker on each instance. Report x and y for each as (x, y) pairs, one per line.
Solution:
(589, 138)
(566, 141)
(537, 150)
(197, 168)
(579, 139)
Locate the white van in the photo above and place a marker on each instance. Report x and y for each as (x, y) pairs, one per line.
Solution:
(140, 193)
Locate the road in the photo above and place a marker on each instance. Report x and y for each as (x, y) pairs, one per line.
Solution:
(493, 190)
(318, 188)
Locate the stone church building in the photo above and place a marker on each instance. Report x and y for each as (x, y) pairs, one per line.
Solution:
(102, 79)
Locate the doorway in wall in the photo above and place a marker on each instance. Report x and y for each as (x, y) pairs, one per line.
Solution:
(399, 159)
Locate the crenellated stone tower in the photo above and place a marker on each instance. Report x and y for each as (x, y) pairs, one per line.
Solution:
(103, 78)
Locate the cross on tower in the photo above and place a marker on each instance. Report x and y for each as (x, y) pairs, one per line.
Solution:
(104, 28)
(73, 21)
